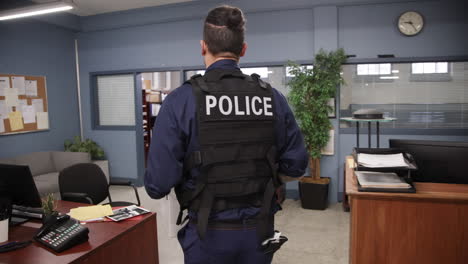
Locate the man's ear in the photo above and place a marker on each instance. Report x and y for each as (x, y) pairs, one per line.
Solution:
(244, 49)
(204, 48)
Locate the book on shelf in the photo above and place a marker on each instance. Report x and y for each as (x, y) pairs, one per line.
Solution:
(390, 180)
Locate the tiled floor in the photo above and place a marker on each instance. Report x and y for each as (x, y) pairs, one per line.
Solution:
(318, 237)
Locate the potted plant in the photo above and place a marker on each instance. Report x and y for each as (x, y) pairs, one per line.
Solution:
(311, 90)
(89, 146)
(49, 207)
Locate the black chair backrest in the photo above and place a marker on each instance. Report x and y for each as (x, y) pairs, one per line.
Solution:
(84, 178)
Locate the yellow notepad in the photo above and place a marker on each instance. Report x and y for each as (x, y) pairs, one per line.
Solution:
(91, 212)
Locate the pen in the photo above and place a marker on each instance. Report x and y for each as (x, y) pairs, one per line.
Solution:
(8, 244)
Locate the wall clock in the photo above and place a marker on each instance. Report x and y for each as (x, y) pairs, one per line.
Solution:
(410, 23)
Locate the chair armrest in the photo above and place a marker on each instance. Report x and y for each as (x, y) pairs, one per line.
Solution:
(123, 182)
(77, 197)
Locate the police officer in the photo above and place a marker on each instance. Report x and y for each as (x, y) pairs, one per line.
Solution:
(225, 141)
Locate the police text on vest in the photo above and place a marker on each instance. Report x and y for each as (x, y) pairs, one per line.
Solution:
(233, 105)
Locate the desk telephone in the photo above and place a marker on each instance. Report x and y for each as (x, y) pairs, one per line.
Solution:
(61, 233)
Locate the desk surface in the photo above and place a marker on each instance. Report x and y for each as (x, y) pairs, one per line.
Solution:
(100, 235)
(424, 190)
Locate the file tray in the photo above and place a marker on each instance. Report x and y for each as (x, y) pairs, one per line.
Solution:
(388, 190)
(401, 171)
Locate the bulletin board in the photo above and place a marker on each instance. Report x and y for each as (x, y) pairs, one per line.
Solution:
(23, 104)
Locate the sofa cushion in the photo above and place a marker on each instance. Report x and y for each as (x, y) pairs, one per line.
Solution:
(64, 159)
(8, 161)
(47, 183)
(38, 162)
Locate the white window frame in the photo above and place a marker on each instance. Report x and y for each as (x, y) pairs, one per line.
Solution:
(128, 99)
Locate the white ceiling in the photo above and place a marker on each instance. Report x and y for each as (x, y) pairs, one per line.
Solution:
(93, 7)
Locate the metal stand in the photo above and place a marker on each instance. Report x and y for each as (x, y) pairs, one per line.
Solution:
(369, 128)
(357, 134)
(369, 134)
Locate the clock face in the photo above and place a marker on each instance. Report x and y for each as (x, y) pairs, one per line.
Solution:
(410, 23)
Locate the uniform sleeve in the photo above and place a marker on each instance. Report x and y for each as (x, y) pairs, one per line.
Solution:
(293, 156)
(165, 159)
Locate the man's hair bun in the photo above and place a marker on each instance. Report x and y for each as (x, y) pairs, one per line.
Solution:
(224, 29)
(235, 19)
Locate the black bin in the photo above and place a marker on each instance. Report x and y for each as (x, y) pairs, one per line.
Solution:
(314, 195)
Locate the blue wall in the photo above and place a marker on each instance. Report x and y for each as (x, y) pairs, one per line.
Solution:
(35, 48)
(168, 36)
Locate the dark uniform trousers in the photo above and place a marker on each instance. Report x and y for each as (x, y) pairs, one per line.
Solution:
(222, 246)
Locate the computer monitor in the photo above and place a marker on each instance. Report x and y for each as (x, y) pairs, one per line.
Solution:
(17, 184)
(437, 161)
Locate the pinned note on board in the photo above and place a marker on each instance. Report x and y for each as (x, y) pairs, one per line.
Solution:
(38, 105)
(18, 82)
(31, 88)
(3, 110)
(4, 84)
(16, 120)
(29, 114)
(42, 120)
(11, 97)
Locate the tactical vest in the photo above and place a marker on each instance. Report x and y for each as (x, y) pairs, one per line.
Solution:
(237, 157)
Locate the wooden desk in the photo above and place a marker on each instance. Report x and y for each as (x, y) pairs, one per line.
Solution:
(428, 227)
(109, 242)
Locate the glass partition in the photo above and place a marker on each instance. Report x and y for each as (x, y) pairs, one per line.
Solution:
(420, 95)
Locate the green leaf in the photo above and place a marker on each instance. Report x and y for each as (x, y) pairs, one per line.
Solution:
(87, 145)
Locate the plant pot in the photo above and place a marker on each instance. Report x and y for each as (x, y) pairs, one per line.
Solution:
(48, 217)
(314, 195)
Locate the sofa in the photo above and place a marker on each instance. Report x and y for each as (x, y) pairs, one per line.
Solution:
(46, 166)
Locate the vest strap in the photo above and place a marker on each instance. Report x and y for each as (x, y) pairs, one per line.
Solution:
(203, 215)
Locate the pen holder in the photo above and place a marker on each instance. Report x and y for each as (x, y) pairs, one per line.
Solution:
(4, 230)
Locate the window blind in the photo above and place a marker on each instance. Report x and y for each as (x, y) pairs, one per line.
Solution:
(116, 100)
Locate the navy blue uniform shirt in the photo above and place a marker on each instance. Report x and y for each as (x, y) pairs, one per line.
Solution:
(175, 136)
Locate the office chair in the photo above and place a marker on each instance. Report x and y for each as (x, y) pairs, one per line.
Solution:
(86, 183)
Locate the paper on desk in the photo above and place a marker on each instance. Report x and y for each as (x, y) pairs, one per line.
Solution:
(16, 120)
(381, 160)
(2, 126)
(18, 82)
(91, 212)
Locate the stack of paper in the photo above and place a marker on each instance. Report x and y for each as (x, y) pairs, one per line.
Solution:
(370, 179)
(382, 160)
(91, 212)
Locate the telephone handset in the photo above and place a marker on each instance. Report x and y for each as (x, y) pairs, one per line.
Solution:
(62, 233)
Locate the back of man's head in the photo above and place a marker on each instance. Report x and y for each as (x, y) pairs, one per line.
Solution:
(223, 31)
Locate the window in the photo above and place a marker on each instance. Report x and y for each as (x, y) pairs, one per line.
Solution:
(115, 100)
(423, 104)
(276, 76)
(374, 69)
(189, 74)
(290, 75)
(164, 81)
(429, 67)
